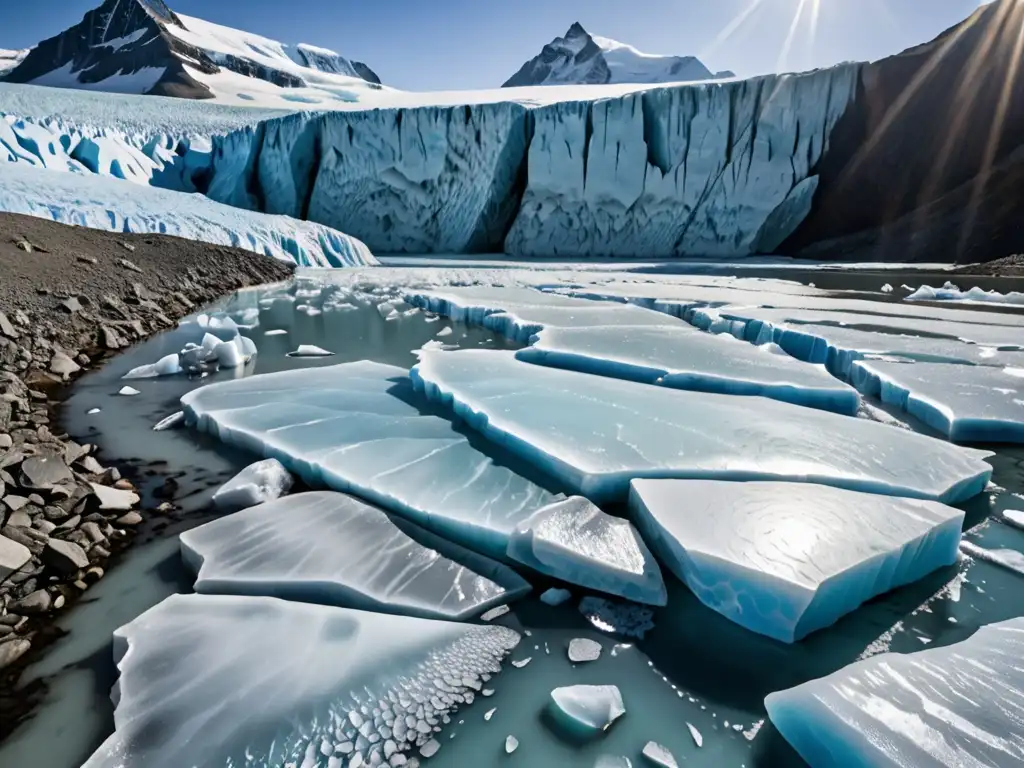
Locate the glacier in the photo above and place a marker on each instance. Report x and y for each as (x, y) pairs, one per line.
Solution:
(261, 681)
(575, 542)
(787, 559)
(965, 403)
(960, 705)
(596, 434)
(329, 548)
(114, 206)
(355, 428)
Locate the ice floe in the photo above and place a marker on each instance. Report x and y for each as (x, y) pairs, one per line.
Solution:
(586, 710)
(952, 292)
(659, 755)
(959, 705)
(310, 350)
(582, 649)
(555, 596)
(235, 674)
(326, 547)
(355, 427)
(596, 434)
(575, 542)
(258, 483)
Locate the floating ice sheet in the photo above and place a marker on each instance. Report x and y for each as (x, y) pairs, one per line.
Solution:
(574, 541)
(685, 358)
(786, 559)
(596, 434)
(212, 680)
(586, 710)
(352, 427)
(326, 547)
(964, 402)
(960, 705)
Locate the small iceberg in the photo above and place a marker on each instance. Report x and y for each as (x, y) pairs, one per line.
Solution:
(586, 711)
(258, 483)
(310, 350)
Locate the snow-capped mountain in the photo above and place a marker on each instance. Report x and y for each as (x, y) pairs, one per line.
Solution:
(10, 59)
(142, 46)
(580, 58)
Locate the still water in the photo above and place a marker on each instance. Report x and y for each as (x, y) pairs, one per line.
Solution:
(695, 668)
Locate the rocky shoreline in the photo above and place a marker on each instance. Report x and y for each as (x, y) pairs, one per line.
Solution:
(69, 299)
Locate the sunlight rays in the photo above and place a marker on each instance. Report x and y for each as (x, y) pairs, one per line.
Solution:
(787, 45)
(731, 28)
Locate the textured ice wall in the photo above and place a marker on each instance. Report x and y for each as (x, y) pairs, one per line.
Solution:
(721, 169)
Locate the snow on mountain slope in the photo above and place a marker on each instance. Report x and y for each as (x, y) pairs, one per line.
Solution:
(111, 205)
(582, 58)
(143, 47)
(10, 59)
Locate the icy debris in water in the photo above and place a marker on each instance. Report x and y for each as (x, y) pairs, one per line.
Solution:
(92, 411)
(612, 761)
(446, 331)
(276, 332)
(511, 744)
(495, 613)
(309, 350)
(175, 419)
(490, 713)
(1010, 559)
(258, 483)
(886, 288)
(619, 618)
(555, 596)
(751, 732)
(1013, 517)
(523, 663)
(114, 499)
(582, 649)
(487, 692)
(586, 710)
(659, 755)
(430, 748)
(128, 391)
(697, 738)
(167, 365)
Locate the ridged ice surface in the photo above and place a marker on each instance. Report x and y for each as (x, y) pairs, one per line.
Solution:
(786, 559)
(226, 682)
(351, 427)
(575, 542)
(961, 705)
(112, 205)
(596, 434)
(966, 403)
(329, 548)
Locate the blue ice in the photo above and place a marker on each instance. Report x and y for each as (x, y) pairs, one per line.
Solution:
(224, 680)
(787, 559)
(353, 428)
(595, 434)
(965, 403)
(959, 705)
(329, 548)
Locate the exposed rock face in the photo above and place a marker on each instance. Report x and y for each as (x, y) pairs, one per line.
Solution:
(928, 162)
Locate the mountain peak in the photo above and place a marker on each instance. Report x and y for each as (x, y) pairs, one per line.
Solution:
(576, 30)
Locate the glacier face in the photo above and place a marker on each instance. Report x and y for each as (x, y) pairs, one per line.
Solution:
(260, 681)
(719, 169)
(961, 705)
(787, 559)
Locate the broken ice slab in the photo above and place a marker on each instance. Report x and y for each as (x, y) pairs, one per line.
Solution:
(329, 548)
(354, 428)
(259, 482)
(685, 358)
(960, 705)
(596, 434)
(586, 711)
(260, 681)
(966, 403)
(575, 542)
(786, 559)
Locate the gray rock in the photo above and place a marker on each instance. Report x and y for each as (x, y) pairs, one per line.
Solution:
(10, 620)
(13, 556)
(36, 602)
(90, 465)
(132, 518)
(74, 452)
(99, 552)
(5, 442)
(71, 305)
(70, 524)
(129, 265)
(111, 339)
(114, 498)
(44, 472)
(62, 365)
(5, 631)
(44, 526)
(19, 520)
(12, 650)
(20, 535)
(93, 532)
(6, 328)
(64, 556)
(35, 499)
(14, 503)
(58, 602)
(93, 575)
(86, 259)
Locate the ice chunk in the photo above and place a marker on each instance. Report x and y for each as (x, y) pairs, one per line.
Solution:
(495, 613)
(659, 755)
(128, 391)
(165, 366)
(184, 662)
(309, 350)
(114, 498)
(1010, 559)
(685, 358)
(260, 482)
(952, 292)
(586, 710)
(555, 596)
(695, 735)
(966, 403)
(355, 427)
(595, 434)
(619, 618)
(886, 288)
(582, 649)
(329, 548)
(276, 332)
(511, 744)
(959, 705)
(786, 559)
(574, 541)
(170, 422)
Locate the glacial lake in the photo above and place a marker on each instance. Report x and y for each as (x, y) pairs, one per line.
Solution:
(694, 668)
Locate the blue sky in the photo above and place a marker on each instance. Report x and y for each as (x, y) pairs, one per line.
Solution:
(449, 44)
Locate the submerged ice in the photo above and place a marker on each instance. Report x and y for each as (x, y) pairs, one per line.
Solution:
(326, 547)
(260, 681)
(596, 434)
(959, 705)
(786, 559)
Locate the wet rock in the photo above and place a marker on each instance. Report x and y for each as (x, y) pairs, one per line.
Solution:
(14, 556)
(10, 620)
(64, 556)
(99, 552)
(19, 520)
(56, 514)
(21, 536)
(44, 526)
(93, 532)
(124, 485)
(73, 452)
(129, 265)
(131, 519)
(62, 365)
(5, 442)
(12, 650)
(36, 500)
(44, 472)
(6, 328)
(71, 305)
(15, 503)
(70, 524)
(92, 575)
(91, 466)
(58, 602)
(38, 601)
(110, 338)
